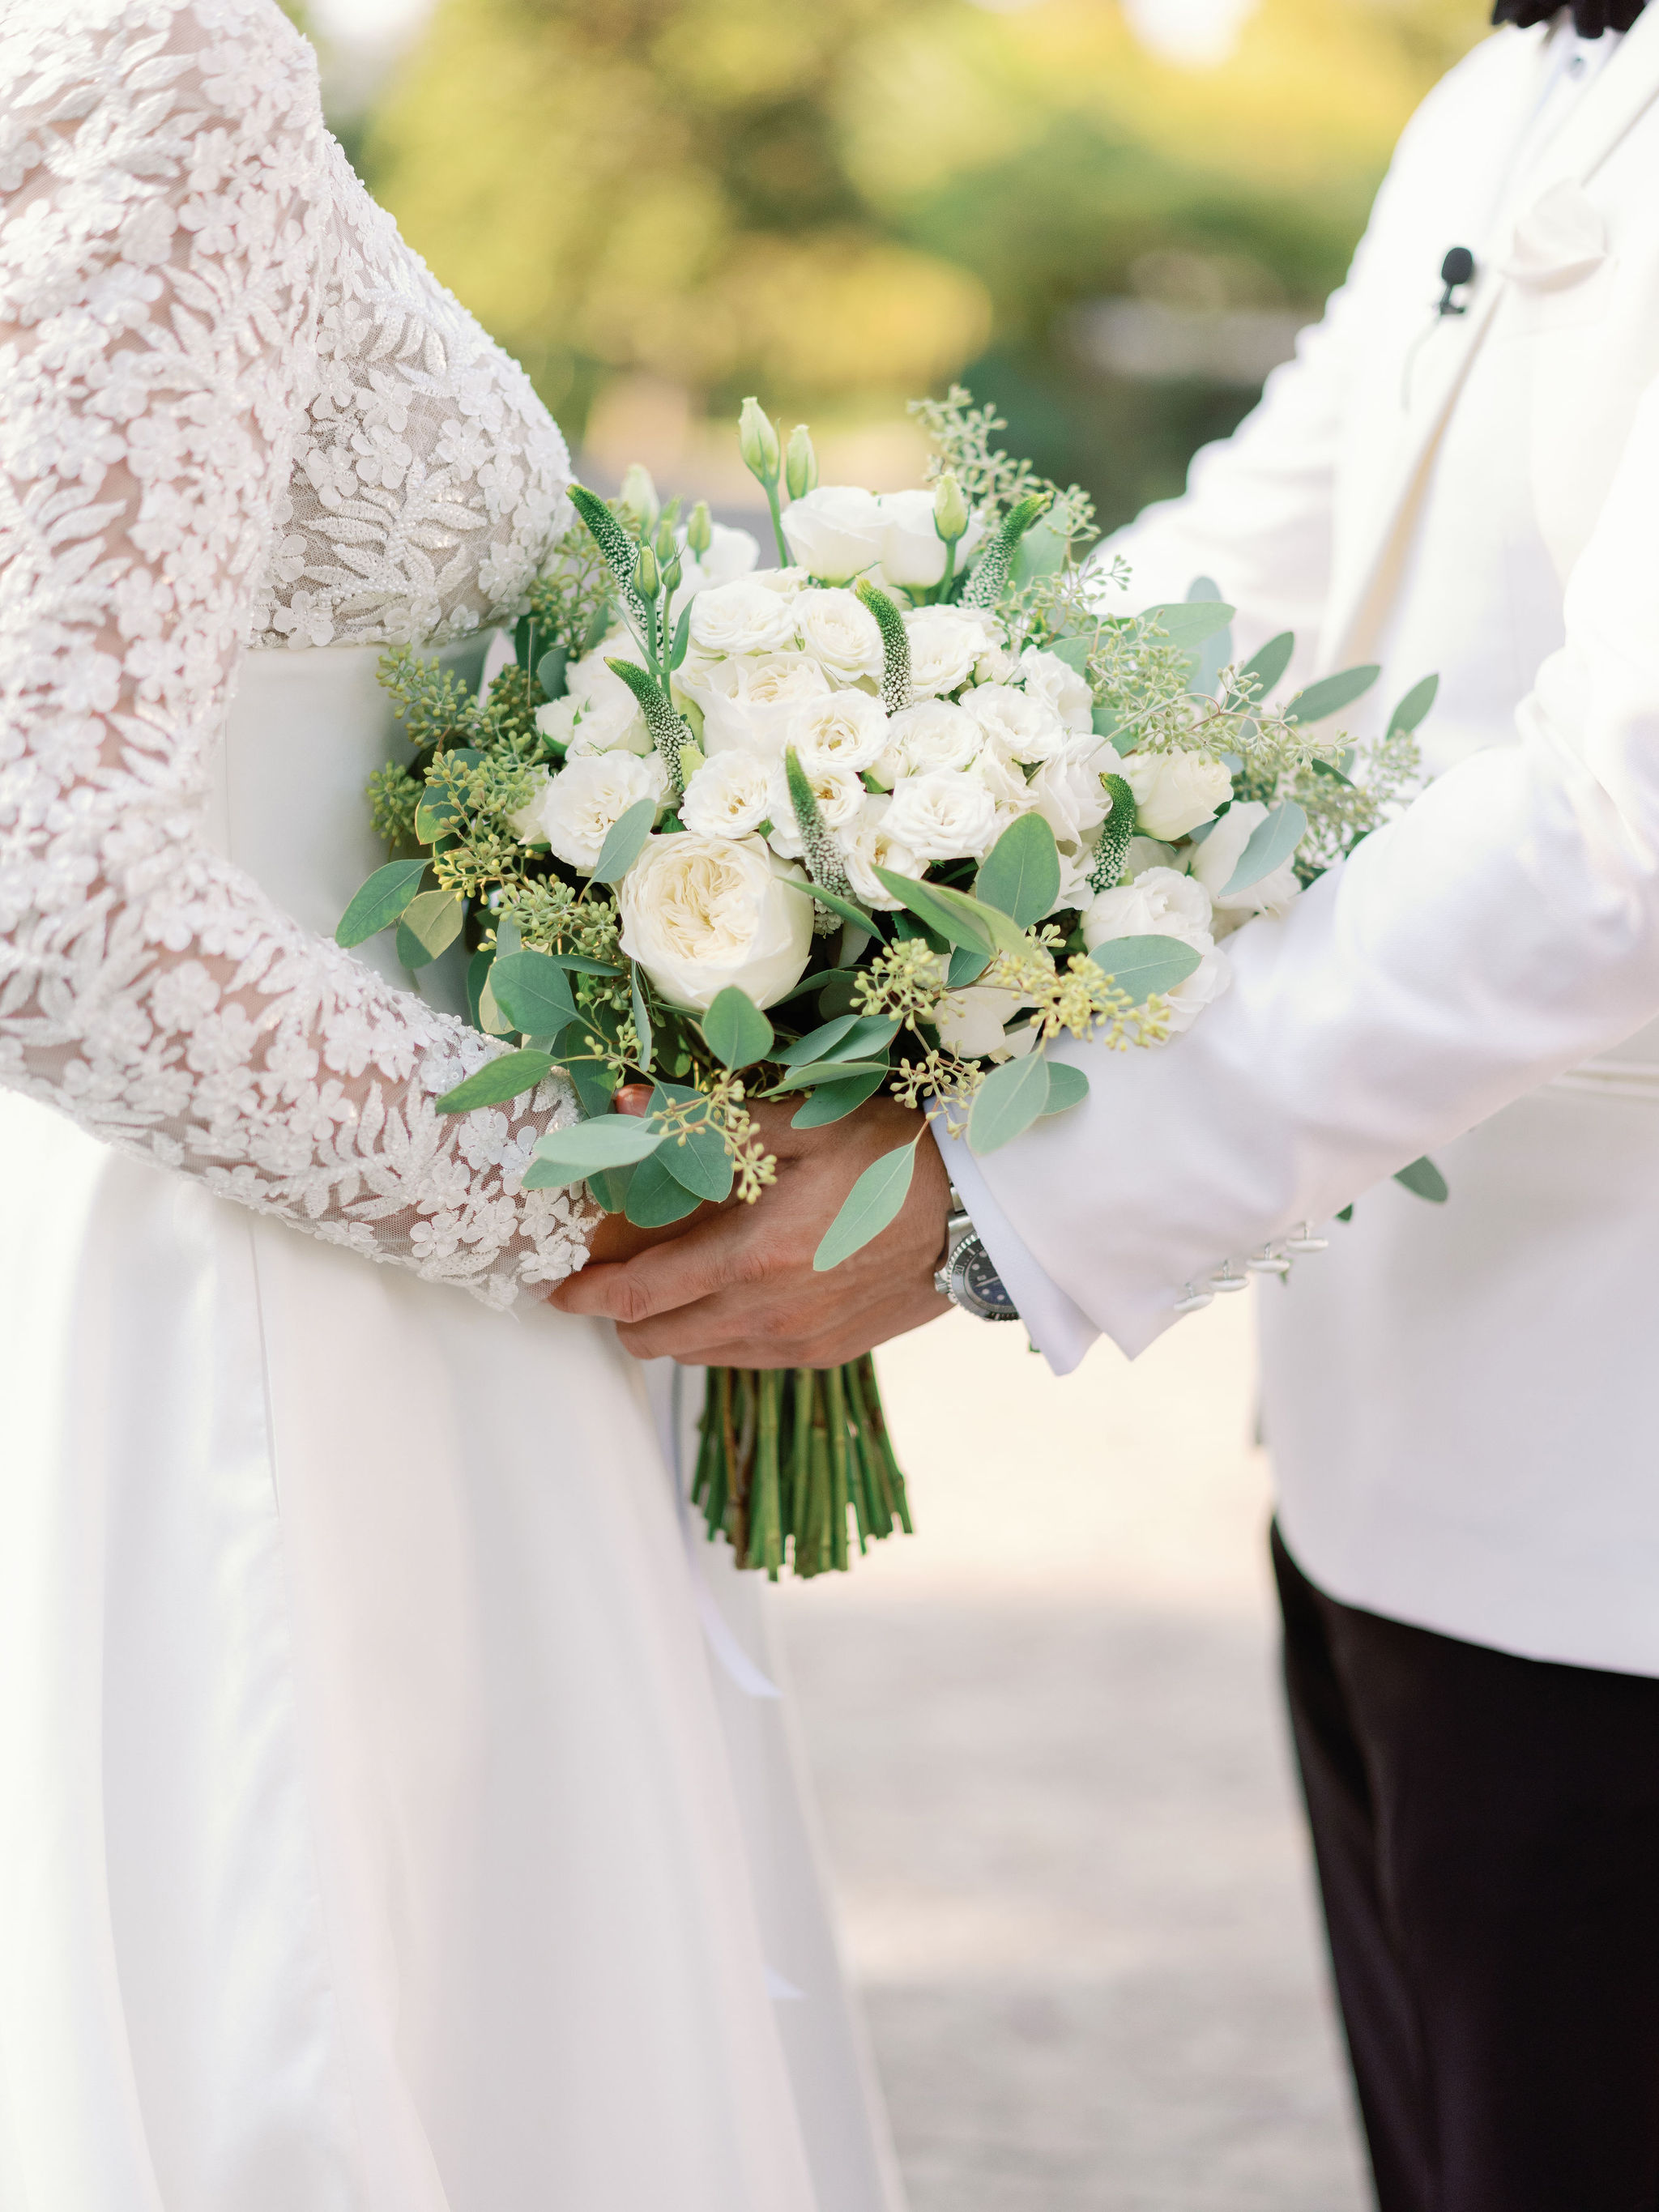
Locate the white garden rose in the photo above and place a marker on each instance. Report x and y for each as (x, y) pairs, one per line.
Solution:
(1175, 792)
(847, 730)
(1162, 902)
(703, 913)
(730, 554)
(1057, 683)
(599, 713)
(751, 703)
(866, 846)
(1068, 793)
(1214, 862)
(1021, 728)
(838, 791)
(609, 722)
(943, 817)
(971, 1021)
(743, 617)
(934, 734)
(840, 633)
(1003, 778)
(834, 532)
(944, 644)
(581, 804)
(728, 796)
(912, 550)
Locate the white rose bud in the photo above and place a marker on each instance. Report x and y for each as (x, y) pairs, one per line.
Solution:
(934, 734)
(866, 846)
(639, 496)
(728, 796)
(942, 817)
(839, 632)
(1175, 792)
(1215, 859)
(702, 913)
(835, 532)
(945, 644)
(585, 800)
(951, 508)
(1161, 902)
(847, 730)
(912, 550)
(1057, 683)
(742, 617)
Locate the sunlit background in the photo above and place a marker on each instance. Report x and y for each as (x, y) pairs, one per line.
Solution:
(1045, 1729)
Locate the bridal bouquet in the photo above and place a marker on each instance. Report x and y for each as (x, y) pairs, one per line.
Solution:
(896, 814)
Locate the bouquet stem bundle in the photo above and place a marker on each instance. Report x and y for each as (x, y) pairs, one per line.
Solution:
(785, 1452)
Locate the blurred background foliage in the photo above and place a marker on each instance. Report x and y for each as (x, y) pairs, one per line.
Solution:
(659, 206)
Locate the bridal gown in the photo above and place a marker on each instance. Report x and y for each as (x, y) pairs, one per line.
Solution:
(398, 1813)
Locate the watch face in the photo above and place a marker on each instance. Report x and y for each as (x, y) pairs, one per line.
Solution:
(977, 1283)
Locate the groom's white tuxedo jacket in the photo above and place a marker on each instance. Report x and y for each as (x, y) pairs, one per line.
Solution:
(1462, 1401)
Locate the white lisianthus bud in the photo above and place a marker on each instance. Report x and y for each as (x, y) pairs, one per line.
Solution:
(943, 817)
(1020, 727)
(700, 531)
(1161, 902)
(700, 913)
(838, 792)
(1175, 792)
(727, 796)
(866, 846)
(839, 632)
(971, 1021)
(801, 470)
(639, 496)
(951, 509)
(847, 730)
(835, 532)
(751, 703)
(645, 575)
(587, 798)
(742, 617)
(945, 644)
(912, 550)
(757, 441)
(1214, 862)
(934, 734)
(1057, 683)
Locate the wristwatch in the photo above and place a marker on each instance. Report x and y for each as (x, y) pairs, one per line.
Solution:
(967, 1274)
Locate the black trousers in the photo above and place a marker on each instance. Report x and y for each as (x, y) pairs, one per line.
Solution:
(1486, 1829)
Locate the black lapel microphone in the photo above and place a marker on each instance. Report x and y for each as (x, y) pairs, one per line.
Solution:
(1589, 17)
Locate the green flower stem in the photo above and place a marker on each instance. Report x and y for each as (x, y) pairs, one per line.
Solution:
(786, 558)
(766, 1519)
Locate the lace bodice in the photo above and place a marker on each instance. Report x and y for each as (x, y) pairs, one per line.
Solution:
(234, 407)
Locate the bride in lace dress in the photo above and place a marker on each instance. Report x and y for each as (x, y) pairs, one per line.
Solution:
(396, 1814)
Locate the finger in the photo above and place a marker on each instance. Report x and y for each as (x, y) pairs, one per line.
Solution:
(721, 1332)
(669, 1275)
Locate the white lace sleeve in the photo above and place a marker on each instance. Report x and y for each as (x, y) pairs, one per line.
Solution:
(164, 174)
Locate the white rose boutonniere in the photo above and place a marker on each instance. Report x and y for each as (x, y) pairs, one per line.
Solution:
(577, 808)
(1175, 792)
(702, 913)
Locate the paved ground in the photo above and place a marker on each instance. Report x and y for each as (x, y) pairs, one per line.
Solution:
(1075, 1887)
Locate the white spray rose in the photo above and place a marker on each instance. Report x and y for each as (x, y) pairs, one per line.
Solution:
(847, 730)
(556, 719)
(1161, 902)
(1004, 780)
(1021, 728)
(728, 796)
(835, 532)
(970, 1022)
(866, 846)
(839, 795)
(942, 817)
(578, 807)
(599, 713)
(1215, 859)
(840, 633)
(1057, 683)
(751, 703)
(743, 617)
(931, 735)
(1068, 792)
(912, 550)
(945, 644)
(607, 724)
(701, 913)
(1175, 792)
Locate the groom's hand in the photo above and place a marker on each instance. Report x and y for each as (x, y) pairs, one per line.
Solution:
(736, 1289)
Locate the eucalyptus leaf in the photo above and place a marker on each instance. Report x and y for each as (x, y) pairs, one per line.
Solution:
(1272, 841)
(579, 964)
(435, 918)
(1188, 622)
(953, 915)
(701, 1163)
(1216, 651)
(830, 1101)
(571, 1155)
(531, 990)
(845, 908)
(1140, 965)
(1007, 1103)
(1415, 704)
(859, 1035)
(1040, 552)
(477, 974)
(380, 902)
(550, 671)
(642, 1025)
(410, 949)
(1266, 666)
(1074, 651)
(1331, 694)
(827, 1071)
(596, 1086)
(657, 1196)
(496, 1081)
(677, 651)
(736, 1031)
(873, 1201)
(967, 965)
(624, 842)
(1068, 1086)
(1020, 874)
(1424, 1180)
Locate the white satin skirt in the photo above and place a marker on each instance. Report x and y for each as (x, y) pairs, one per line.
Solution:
(398, 1811)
